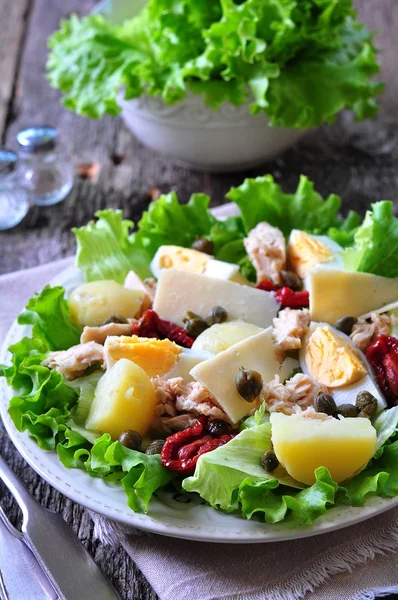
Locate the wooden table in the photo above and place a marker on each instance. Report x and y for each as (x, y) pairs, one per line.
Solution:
(357, 161)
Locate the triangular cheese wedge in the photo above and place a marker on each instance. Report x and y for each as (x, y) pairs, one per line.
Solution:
(335, 294)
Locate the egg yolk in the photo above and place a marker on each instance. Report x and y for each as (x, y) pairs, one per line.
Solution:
(331, 360)
(183, 259)
(304, 252)
(155, 357)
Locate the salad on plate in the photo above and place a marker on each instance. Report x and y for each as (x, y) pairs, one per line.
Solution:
(251, 361)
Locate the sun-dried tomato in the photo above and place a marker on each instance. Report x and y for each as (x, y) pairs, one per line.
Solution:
(383, 357)
(150, 325)
(182, 449)
(287, 298)
(267, 285)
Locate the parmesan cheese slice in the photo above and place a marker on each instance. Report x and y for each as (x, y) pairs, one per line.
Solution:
(335, 294)
(178, 292)
(218, 373)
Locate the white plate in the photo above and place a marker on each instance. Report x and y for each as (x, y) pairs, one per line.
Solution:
(167, 515)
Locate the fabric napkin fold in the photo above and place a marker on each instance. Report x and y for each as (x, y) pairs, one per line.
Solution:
(355, 563)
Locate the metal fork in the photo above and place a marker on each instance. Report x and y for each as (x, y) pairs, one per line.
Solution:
(20, 574)
(59, 552)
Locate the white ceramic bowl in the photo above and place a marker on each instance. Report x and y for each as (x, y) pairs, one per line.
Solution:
(227, 139)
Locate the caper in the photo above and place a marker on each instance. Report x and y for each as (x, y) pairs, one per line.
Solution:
(345, 324)
(269, 462)
(194, 324)
(217, 427)
(324, 403)
(155, 447)
(291, 280)
(115, 319)
(203, 245)
(363, 415)
(217, 315)
(248, 384)
(366, 403)
(348, 410)
(131, 439)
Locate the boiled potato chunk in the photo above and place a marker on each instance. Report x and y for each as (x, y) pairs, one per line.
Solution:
(124, 399)
(221, 336)
(92, 303)
(302, 445)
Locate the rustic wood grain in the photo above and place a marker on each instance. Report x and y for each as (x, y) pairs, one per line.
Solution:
(15, 14)
(357, 161)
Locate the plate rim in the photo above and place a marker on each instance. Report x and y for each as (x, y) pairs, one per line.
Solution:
(42, 461)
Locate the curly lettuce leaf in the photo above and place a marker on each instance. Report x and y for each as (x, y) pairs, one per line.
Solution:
(142, 474)
(218, 474)
(262, 199)
(107, 250)
(167, 221)
(275, 503)
(299, 61)
(48, 313)
(376, 243)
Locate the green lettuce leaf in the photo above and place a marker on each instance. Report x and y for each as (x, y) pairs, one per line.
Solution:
(85, 387)
(299, 61)
(275, 503)
(262, 199)
(106, 249)
(142, 475)
(167, 221)
(380, 478)
(386, 424)
(218, 474)
(48, 312)
(376, 243)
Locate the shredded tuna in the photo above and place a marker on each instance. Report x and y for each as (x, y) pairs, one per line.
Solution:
(73, 362)
(297, 393)
(290, 327)
(133, 282)
(175, 395)
(364, 334)
(266, 248)
(310, 413)
(99, 334)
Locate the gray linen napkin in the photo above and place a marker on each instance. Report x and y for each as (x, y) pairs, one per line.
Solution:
(355, 563)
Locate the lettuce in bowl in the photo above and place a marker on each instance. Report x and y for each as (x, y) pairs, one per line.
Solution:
(300, 61)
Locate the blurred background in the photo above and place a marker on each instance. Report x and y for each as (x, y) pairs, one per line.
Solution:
(358, 161)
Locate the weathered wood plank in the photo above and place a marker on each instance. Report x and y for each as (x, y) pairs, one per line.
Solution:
(13, 20)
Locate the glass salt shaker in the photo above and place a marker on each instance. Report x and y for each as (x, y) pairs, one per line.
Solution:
(45, 170)
(14, 203)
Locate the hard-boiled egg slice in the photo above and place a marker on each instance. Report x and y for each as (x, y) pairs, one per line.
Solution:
(331, 359)
(155, 357)
(193, 261)
(305, 252)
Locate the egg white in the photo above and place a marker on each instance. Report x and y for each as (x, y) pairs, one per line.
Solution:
(348, 393)
(336, 261)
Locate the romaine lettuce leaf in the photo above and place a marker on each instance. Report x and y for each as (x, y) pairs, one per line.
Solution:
(376, 243)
